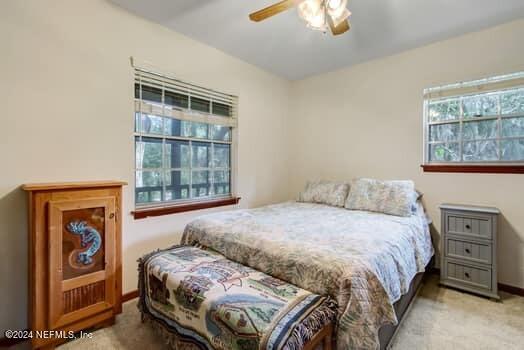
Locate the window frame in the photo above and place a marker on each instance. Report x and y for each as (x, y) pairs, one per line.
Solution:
(461, 91)
(162, 110)
(164, 141)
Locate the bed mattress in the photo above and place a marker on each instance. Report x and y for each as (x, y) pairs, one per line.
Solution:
(364, 260)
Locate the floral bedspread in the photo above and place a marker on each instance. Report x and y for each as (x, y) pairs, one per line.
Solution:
(364, 260)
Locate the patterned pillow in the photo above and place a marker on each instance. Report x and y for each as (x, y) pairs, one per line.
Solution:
(388, 197)
(325, 192)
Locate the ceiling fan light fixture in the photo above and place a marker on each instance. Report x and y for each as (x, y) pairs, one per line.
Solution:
(318, 22)
(336, 7)
(320, 15)
(313, 12)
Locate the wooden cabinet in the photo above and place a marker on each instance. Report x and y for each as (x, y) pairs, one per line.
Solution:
(75, 269)
(469, 244)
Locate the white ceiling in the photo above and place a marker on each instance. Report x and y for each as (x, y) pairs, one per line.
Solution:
(285, 46)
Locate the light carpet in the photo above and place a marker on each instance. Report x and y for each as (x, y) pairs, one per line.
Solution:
(439, 318)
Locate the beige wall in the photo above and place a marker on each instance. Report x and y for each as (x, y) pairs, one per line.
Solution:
(366, 121)
(66, 92)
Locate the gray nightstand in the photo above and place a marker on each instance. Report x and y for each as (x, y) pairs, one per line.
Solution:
(469, 248)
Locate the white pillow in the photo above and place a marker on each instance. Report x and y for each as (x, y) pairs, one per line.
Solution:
(388, 197)
(325, 192)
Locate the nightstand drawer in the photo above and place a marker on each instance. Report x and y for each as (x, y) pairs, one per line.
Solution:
(472, 251)
(469, 225)
(473, 276)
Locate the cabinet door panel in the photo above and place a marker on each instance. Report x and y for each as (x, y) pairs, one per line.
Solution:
(81, 269)
(83, 241)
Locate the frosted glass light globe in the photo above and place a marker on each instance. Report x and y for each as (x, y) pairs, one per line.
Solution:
(313, 12)
(309, 8)
(334, 4)
(337, 10)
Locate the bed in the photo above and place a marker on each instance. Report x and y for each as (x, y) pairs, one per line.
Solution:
(365, 261)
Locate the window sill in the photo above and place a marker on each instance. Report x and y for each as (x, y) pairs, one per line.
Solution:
(148, 212)
(479, 169)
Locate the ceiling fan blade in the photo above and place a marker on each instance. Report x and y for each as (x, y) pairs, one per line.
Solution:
(272, 10)
(341, 28)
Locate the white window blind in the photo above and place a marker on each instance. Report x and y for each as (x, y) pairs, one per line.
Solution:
(184, 140)
(480, 121)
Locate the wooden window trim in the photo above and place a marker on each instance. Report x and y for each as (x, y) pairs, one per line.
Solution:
(479, 169)
(180, 208)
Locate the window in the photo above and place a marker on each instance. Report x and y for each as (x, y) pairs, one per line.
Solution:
(184, 142)
(475, 123)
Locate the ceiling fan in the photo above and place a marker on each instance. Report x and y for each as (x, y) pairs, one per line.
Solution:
(318, 14)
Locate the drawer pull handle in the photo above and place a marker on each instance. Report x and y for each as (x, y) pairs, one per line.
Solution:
(468, 227)
(467, 250)
(466, 274)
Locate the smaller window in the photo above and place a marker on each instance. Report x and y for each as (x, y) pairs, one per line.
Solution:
(479, 122)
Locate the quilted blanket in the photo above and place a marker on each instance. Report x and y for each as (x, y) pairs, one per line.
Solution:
(203, 301)
(364, 260)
